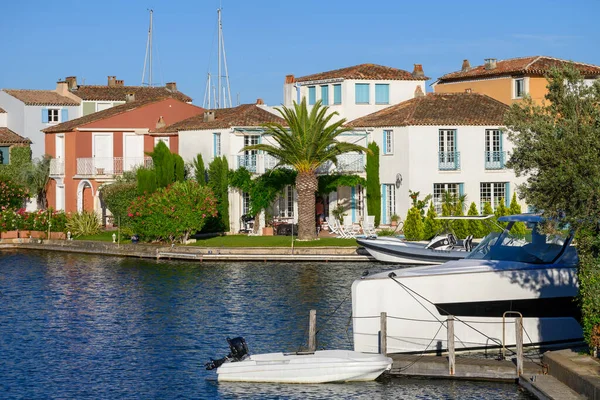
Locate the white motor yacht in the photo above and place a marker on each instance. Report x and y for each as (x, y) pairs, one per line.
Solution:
(535, 277)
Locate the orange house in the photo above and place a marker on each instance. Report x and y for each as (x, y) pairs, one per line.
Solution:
(93, 150)
(509, 80)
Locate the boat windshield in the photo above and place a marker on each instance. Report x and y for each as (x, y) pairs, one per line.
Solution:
(533, 247)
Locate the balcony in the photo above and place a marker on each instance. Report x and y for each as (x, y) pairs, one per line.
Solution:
(449, 160)
(346, 163)
(495, 159)
(57, 167)
(108, 166)
(260, 163)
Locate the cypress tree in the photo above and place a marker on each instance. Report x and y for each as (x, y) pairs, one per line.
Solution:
(413, 226)
(179, 168)
(225, 194)
(518, 228)
(490, 225)
(218, 181)
(373, 183)
(199, 170)
(164, 165)
(146, 181)
(431, 225)
(474, 227)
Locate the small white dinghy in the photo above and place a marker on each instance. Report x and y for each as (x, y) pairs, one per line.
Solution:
(307, 367)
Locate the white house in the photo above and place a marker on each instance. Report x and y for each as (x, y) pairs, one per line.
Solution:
(356, 91)
(441, 142)
(30, 111)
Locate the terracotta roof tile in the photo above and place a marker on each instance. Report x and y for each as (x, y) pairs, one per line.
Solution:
(41, 97)
(536, 65)
(364, 71)
(243, 115)
(97, 116)
(438, 109)
(2, 111)
(9, 137)
(119, 93)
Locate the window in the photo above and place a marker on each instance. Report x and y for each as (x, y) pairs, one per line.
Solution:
(245, 203)
(388, 202)
(103, 106)
(250, 159)
(4, 154)
(312, 95)
(388, 147)
(438, 193)
(519, 88)
(52, 116)
(494, 156)
(337, 94)
(492, 193)
(325, 95)
(382, 94)
(286, 202)
(448, 156)
(362, 93)
(216, 145)
(157, 140)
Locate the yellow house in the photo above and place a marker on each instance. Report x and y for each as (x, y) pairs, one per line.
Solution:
(508, 80)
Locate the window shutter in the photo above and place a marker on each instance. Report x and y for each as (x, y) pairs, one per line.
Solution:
(214, 144)
(383, 205)
(382, 93)
(312, 95)
(337, 94)
(325, 95)
(461, 189)
(507, 194)
(353, 202)
(384, 142)
(44, 115)
(362, 93)
(64, 115)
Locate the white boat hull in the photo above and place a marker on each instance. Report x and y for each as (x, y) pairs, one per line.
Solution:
(318, 367)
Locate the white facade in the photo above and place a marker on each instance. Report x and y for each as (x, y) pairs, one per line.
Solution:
(347, 105)
(28, 120)
(414, 164)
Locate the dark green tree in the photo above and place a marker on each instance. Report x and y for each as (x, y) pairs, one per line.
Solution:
(518, 228)
(164, 165)
(373, 183)
(146, 181)
(557, 147)
(179, 168)
(475, 227)
(218, 181)
(413, 225)
(199, 170)
(431, 224)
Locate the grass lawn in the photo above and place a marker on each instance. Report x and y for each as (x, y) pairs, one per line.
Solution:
(271, 241)
(103, 236)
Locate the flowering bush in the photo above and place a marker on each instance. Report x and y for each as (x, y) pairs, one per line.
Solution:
(12, 195)
(32, 221)
(172, 213)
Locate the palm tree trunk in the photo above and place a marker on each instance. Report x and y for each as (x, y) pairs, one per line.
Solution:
(306, 185)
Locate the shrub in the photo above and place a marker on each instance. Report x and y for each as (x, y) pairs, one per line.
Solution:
(164, 165)
(218, 181)
(475, 227)
(518, 228)
(199, 170)
(489, 226)
(413, 226)
(431, 225)
(179, 168)
(172, 213)
(12, 195)
(146, 181)
(373, 183)
(118, 197)
(83, 224)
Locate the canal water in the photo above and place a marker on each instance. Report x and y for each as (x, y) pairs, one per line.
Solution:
(89, 327)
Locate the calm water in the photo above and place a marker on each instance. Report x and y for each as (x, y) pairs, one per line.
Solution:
(87, 327)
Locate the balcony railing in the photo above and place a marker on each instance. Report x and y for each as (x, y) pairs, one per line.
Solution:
(495, 159)
(57, 167)
(249, 161)
(449, 160)
(103, 166)
(345, 163)
(260, 163)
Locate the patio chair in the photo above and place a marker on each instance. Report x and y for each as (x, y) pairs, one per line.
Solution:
(348, 227)
(368, 226)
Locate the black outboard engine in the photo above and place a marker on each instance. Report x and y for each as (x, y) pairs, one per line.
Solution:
(238, 351)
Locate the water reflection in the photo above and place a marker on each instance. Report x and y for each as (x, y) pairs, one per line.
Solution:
(79, 326)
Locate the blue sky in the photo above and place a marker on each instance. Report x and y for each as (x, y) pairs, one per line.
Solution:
(265, 40)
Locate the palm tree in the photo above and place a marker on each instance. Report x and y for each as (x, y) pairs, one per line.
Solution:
(308, 141)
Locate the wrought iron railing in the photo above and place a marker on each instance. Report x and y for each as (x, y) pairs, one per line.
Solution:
(345, 163)
(249, 161)
(103, 166)
(57, 167)
(449, 160)
(495, 159)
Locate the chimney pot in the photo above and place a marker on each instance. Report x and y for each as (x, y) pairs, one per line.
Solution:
(419, 91)
(259, 102)
(418, 71)
(490, 63)
(62, 87)
(209, 116)
(130, 97)
(465, 66)
(112, 81)
(71, 81)
(160, 123)
(290, 79)
(171, 86)
(119, 82)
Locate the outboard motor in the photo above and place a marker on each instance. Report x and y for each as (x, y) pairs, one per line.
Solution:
(238, 351)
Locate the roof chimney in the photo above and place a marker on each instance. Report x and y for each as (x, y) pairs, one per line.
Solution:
(419, 91)
(260, 102)
(466, 66)
(119, 82)
(209, 116)
(490, 63)
(112, 81)
(160, 123)
(290, 79)
(72, 81)
(418, 71)
(129, 97)
(171, 86)
(62, 87)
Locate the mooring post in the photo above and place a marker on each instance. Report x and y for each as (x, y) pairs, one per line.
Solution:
(451, 353)
(312, 331)
(383, 334)
(519, 340)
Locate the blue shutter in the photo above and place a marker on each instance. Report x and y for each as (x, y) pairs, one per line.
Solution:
(501, 149)
(461, 189)
(507, 194)
(337, 94)
(312, 95)
(382, 94)
(44, 115)
(353, 202)
(383, 205)
(64, 115)
(456, 152)
(362, 93)
(384, 142)
(325, 95)
(214, 144)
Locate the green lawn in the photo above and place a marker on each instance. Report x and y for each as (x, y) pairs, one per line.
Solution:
(103, 236)
(270, 241)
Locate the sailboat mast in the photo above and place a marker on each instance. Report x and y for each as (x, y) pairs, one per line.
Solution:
(148, 55)
(219, 74)
(150, 36)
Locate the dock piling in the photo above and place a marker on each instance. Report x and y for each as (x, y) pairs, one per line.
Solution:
(383, 334)
(519, 340)
(312, 331)
(451, 352)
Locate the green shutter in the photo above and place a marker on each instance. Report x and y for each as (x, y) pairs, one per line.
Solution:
(89, 107)
(507, 194)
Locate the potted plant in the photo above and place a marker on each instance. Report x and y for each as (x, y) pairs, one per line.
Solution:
(394, 220)
(338, 213)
